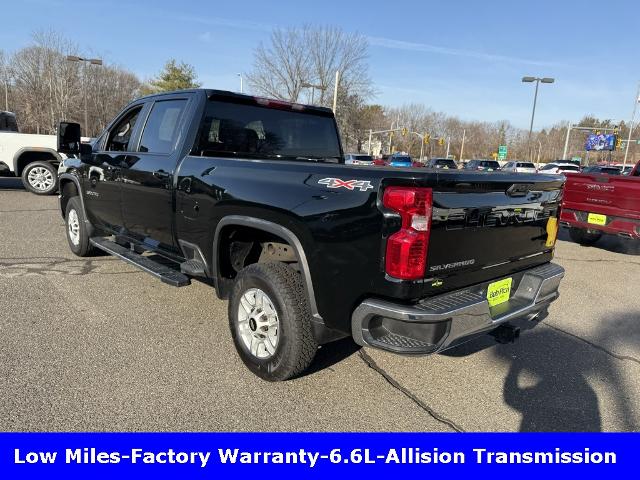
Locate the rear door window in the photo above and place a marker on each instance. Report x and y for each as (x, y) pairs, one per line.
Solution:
(161, 130)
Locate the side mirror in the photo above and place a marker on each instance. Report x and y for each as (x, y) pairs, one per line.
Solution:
(69, 138)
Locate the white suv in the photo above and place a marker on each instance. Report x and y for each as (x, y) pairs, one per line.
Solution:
(558, 167)
(519, 167)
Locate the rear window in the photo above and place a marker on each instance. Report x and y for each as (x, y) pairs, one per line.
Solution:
(570, 168)
(363, 158)
(401, 159)
(525, 165)
(445, 163)
(237, 129)
(610, 171)
(490, 164)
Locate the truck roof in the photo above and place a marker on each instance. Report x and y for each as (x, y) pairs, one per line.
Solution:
(241, 97)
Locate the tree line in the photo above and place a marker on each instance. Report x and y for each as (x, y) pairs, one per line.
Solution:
(42, 87)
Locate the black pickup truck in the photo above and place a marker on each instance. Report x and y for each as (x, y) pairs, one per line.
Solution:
(252, 196)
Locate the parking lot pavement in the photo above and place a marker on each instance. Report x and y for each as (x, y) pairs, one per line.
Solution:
(95, 344)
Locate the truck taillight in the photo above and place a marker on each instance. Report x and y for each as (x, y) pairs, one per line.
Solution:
(406, 256)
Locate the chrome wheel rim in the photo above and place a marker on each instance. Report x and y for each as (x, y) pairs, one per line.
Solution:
(258, 323)
(73, 224)
(40, 178)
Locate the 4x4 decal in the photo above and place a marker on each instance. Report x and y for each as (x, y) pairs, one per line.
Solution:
(362, 185)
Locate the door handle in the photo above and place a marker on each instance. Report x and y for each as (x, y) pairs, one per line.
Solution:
(161, 174)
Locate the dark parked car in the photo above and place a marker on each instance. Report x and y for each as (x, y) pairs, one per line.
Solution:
(482, 165)
(445, 163)
(252, 196)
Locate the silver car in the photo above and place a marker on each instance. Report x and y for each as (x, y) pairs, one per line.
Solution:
(358, 159)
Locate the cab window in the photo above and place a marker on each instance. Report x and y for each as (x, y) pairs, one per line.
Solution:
(161, 130)
(120, 136)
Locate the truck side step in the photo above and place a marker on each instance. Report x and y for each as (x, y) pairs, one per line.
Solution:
(193, 267)
(168, 275)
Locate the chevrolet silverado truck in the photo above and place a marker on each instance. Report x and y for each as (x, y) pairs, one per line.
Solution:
(30, 156)
(595, 204)
(252, 196)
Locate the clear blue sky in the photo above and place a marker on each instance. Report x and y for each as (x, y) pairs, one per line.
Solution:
(462, 57)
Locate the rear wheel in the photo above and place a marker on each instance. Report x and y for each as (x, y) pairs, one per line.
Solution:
(270, 321)
(78, 231)
(40, 178)
(584, 237)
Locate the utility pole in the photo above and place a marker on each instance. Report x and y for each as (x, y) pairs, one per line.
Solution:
(464, 134)
(566, 142)
(241, 89)
(633, 118)
(448, 145)
(335, 92)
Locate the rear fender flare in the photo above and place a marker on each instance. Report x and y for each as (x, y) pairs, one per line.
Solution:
(274, 229)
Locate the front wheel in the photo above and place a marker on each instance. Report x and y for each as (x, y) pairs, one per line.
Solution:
(40, 178)
(584, 237)
(78, 231)
(270, 321)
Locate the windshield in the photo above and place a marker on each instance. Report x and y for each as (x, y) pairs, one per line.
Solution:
(610, 171)
(238, 129)
(525, 165)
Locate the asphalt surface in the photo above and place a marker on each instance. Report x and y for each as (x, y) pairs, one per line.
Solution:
(95, 344)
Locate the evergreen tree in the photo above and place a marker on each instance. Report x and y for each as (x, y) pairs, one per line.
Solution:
(174, 76)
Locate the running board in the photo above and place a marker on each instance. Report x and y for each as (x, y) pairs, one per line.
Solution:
(166, 274)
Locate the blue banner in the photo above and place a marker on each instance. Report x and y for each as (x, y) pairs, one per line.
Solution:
(314, 455)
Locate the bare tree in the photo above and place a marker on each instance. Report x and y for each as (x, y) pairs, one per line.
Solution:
(48, 88)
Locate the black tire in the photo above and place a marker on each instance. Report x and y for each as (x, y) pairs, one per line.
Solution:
(583, 237)
(79, 245)
(40, 178)
(296, 345)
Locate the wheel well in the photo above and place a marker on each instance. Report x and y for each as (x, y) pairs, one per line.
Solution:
(240, 246)
(31, 156)
(68, 189)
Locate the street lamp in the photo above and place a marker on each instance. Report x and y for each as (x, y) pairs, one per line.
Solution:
(535, 99)
(92, 61)
(240, 75)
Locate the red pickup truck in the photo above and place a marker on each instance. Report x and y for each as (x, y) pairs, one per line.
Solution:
(595, 204)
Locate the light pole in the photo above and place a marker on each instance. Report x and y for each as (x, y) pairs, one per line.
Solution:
(633, 118)
(92, 61)
(535, 99)
(240, 75)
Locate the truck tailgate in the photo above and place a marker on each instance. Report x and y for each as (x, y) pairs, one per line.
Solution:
(491, 224)
(612, 195)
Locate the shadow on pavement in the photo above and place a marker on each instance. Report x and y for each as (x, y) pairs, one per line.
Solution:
(549, 372)
(332, 353)
(611, 243)
(11, 183)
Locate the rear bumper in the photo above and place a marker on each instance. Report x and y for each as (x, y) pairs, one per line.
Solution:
(616, 225)
(437, 323)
